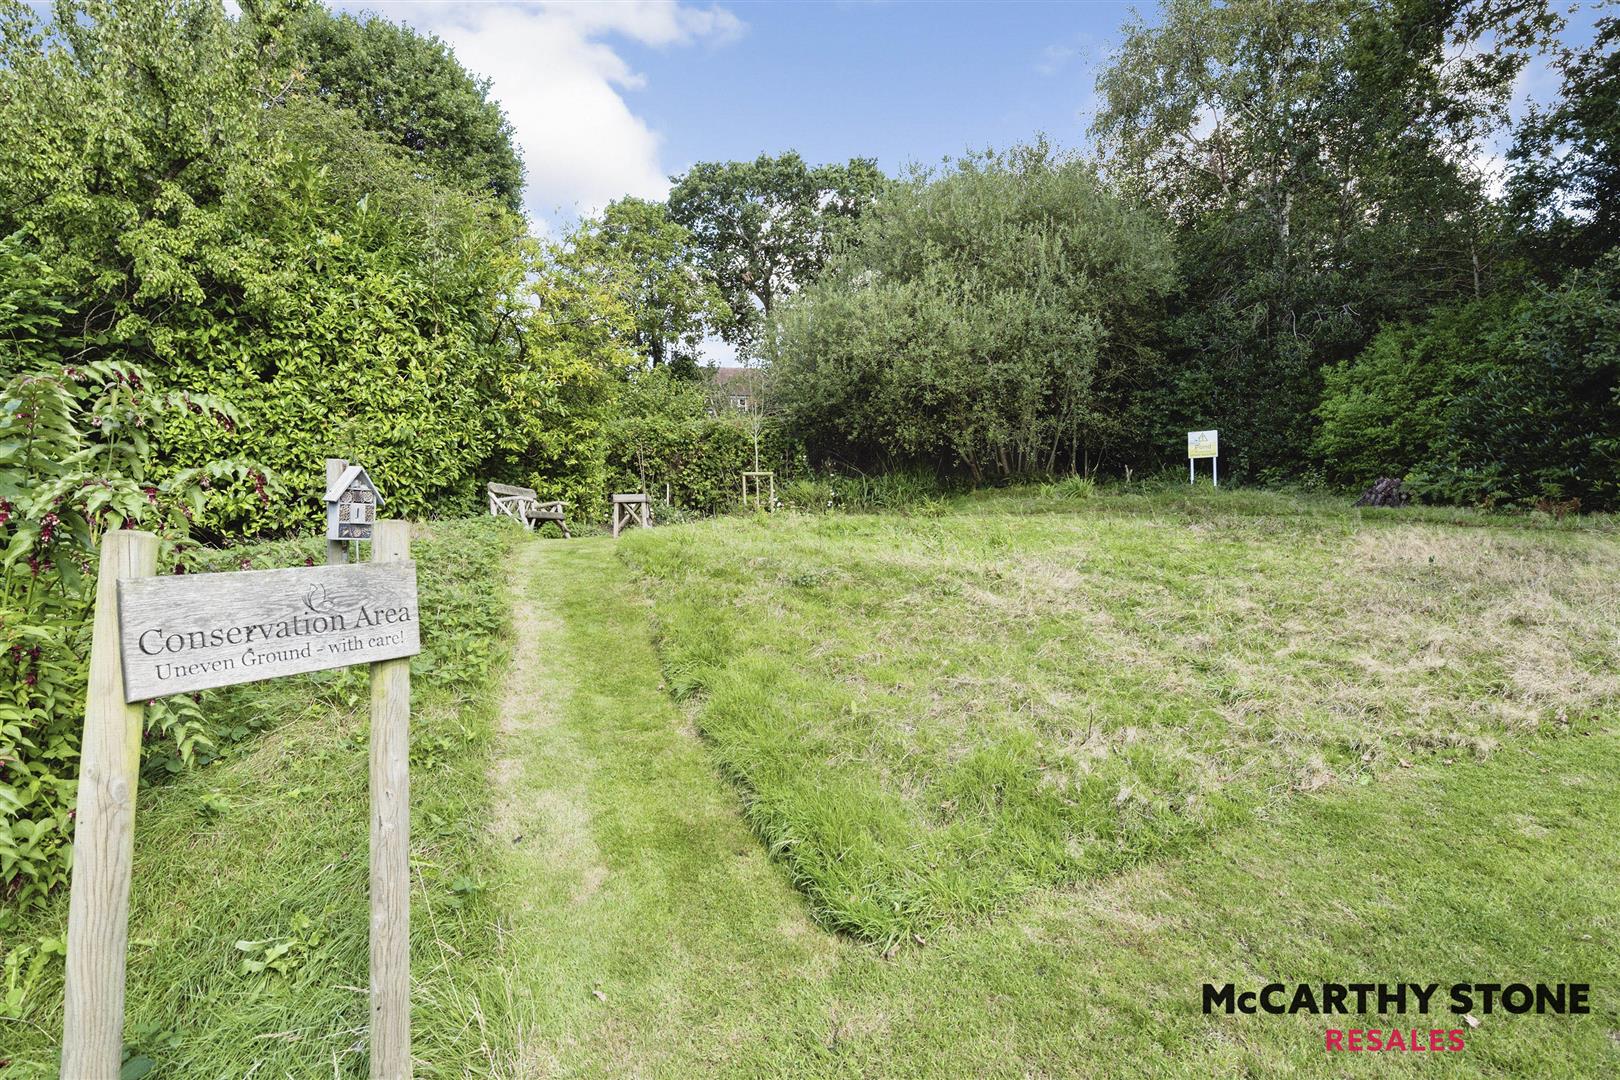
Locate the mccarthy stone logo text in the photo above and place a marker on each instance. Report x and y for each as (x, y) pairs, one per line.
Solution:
(1401, 999)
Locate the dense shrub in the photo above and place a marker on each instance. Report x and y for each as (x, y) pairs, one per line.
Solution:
(75, 460)
(371, 337)
(995, 319)
(1383, 413)
(670, 431)
(1511, 402)
(237, 232)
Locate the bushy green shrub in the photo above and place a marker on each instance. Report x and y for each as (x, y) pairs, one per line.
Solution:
(372, 338)
(1541, 423)
(1075, 487)
(1383, 413)
(1506, 402)
(996, 319)
(76, 460)
(251, 239)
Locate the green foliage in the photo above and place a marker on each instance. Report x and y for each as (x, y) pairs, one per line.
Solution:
(127, 138)
(550, 408)
(247, 236)
(1502, 403)
(410, 88)
(1541, 423)
(1318, 161)
(385, 351)
(764, 227)
(285, 954)
(76, 460)
(667, 432)
(996, 318)
(898, 490)
(1383, 413)
(649, 262)
(1566, 185)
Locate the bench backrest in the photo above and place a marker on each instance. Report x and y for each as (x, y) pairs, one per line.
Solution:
(510, 490)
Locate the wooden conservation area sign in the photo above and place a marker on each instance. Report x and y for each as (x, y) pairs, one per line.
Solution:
(156, 636)
(197, 631)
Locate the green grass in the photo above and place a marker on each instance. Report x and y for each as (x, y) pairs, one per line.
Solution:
(594, 899)
(929, 715)
(267, 843)
(648, 933)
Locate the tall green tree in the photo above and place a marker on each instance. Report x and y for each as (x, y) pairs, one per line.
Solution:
(997, 319)
(651, 263)
(764, 227)
(1566, 184)
(553, 399)
(1317, 159)
(410, 88)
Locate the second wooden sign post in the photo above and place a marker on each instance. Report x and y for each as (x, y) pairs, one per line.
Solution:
(156, 636)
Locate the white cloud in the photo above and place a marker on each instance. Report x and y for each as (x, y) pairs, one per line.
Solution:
(554, 69)
(1054, 58)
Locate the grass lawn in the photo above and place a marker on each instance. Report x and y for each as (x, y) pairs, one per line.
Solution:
(1027, 772)
(649, 933)
(929, 715)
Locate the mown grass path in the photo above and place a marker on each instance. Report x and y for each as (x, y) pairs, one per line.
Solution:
(646, 932)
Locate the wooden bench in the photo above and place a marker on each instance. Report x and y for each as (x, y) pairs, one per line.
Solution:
(523, 504)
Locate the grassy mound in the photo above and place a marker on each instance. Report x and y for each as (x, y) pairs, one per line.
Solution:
(928, 715)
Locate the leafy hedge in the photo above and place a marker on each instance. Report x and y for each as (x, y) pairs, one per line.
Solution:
(367, 337)
(1506, 402)
(208, 215)
(668, 433)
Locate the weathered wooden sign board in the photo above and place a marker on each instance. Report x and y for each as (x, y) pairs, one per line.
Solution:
(197, 631)
(157, 636)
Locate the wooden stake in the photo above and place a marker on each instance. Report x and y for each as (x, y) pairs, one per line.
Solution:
(337, 552)
(104, 831)
(390, 843)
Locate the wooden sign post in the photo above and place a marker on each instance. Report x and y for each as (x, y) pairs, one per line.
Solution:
(104, 830)
(391, 840)
(337, 551)
(156, 636)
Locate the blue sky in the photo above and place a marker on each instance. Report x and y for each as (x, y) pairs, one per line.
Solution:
(610, 98)
(898, 81)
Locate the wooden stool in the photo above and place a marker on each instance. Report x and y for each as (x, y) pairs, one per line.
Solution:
(633, 509)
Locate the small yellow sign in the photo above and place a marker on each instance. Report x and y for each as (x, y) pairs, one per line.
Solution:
(1202, 444)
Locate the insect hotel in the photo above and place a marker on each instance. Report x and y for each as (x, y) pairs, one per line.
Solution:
(351, 505)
